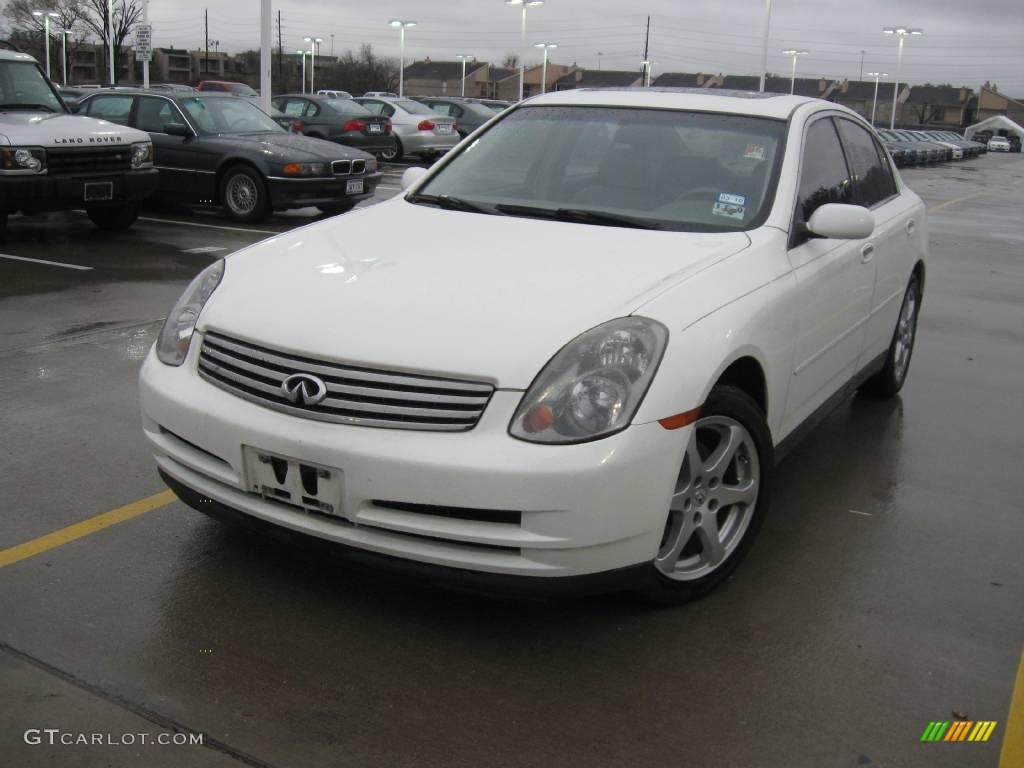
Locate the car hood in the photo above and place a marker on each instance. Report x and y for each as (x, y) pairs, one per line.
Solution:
(48, 129)
(290, 146)
(423, 290)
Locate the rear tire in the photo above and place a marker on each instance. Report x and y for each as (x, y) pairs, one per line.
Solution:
(889, 381)
(114, 219)
(393, 155)
(720, 498)
(244, 195)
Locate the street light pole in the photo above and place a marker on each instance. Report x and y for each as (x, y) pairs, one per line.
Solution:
(901, 33)
(464, 57)
(874, 101)
(544, 70)
(110, 35)
(792, 77)
(522, 39)
(303, 52)
(64, 54)
(764, 43)
(402, 25)
(646, 81)
(314, 43)
(46, 15)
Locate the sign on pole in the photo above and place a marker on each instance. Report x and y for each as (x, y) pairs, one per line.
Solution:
(144, 42)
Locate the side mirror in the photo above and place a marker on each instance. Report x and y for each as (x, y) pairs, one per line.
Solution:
(178, 129)
(842, 222)
(412, 176)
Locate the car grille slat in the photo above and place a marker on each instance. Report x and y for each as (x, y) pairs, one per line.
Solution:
(355, 395)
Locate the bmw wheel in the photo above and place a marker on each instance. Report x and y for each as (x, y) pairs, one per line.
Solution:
(394, 154)
(244, 195)
(718, 500)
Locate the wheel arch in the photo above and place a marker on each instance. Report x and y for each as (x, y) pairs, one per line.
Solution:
(233, 162)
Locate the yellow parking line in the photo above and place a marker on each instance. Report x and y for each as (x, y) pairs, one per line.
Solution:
(1012, 755)
(955, 200)
(84, 528)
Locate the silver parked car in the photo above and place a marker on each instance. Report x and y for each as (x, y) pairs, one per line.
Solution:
(419, 130)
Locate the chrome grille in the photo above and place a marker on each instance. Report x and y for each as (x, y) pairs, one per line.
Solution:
(341, 167)
(358, 166)
(355, 395)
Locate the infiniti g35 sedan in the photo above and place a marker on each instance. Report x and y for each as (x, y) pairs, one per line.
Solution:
(675, 283)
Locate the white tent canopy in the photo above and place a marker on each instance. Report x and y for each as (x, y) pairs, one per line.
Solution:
(995, 124)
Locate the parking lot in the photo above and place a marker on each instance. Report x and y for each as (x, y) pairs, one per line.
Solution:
(884, 592)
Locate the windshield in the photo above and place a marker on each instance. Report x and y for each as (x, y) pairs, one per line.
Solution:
(23, 86)
(347, 107)
(219, 114)
(664, 169)
(414, 107)
(241, 89)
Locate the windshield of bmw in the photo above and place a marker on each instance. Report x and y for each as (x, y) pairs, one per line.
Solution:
(23, 86)
(646, 168)
(224, 114)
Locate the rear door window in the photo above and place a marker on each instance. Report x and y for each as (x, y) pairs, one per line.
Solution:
(115, 109)
(153, 114)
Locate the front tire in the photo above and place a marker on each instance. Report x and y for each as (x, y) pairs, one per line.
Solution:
(719, 499)
(889, 381)
(114, 219)
(244, 195)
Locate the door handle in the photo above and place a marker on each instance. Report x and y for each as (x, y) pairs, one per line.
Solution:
(911, 226)
(867, 253)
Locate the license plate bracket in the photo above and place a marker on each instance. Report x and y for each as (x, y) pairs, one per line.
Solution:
(374, 128)
(98, 190)
(295, 482)
(354, 187)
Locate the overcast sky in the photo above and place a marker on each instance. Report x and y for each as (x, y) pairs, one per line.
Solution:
(964, 42)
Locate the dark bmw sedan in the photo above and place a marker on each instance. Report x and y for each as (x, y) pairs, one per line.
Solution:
(339, 120)
(220, 150)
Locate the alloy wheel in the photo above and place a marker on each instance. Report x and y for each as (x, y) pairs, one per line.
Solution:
(713, 502)
(906, 327)
(241, 194)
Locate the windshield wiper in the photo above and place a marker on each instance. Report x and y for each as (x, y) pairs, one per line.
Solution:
(452, 203)
(21, 105)
(581, 215)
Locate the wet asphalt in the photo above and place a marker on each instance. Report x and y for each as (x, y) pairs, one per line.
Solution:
(885, 590)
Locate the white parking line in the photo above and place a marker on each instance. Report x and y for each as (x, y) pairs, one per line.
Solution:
(211, 226)
(44, 261)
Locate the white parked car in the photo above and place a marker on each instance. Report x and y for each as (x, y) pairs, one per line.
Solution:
(334, 94)
(674, 286)
(998, 144)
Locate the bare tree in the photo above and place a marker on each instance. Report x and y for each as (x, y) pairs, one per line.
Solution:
(28, 29)
(360, 72)
(126, 15)
(511, 61)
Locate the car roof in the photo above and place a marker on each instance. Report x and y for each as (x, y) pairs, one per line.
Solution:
(773, 105)
(6, 55)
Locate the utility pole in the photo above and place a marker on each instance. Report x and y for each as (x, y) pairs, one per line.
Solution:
(280, 50)
(647, 61)
(599, 55)
(332, 45)
(206, 50)
(861, 65)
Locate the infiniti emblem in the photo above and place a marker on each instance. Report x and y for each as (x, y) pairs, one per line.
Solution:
(304, 389)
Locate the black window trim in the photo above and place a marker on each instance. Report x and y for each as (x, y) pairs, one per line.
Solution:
(797, 234)
(172, 102)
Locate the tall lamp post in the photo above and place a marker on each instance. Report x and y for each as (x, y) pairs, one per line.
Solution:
(402, 25)
(314, 44)
(303, 54)
(647, 73)
(522, 38)
(64, 53)
(874, 101)
(544, 70)
(764, 42)
(464, 57)
(46, 16)
(792, 76)
(901, 33)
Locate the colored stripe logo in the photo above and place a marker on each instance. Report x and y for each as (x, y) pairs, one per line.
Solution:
(959, 730)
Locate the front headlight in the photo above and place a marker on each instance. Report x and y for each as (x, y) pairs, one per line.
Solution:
(594, 385)
(176, 335)
(23, 159)
(306, 169)
(371, 165)
(142, 154)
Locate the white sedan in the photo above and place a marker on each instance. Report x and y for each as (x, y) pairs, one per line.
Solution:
(998, 144)
(598, 324)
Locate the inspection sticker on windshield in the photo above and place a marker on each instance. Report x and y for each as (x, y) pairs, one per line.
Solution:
(733, 206)
(754, 151)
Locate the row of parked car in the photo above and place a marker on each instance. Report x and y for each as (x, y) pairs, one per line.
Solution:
(923, 147)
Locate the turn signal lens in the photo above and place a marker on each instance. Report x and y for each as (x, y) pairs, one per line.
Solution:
(680, 419)
(538, 418)
(293, 169)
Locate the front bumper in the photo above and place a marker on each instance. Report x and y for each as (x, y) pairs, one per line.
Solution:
(520, 509)
(301, 193)
(58, 193)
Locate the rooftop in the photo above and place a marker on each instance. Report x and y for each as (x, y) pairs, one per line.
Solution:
(440, 70)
